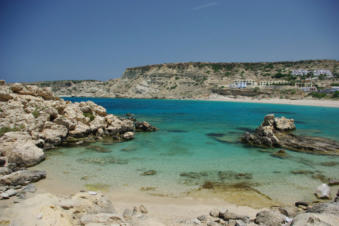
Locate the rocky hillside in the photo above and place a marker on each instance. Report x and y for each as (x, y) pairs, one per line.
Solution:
(200, 80)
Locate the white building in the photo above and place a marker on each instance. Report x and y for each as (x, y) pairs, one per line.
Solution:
(328, 73)
(300, 72)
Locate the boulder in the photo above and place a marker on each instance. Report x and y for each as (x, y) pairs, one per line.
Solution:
(144, 127)
(284, 124)
(232, 216)
(270, 218)
(324, 208)
(276, 132)
(128, 136)
(5, 96)
(81, 130)
(19, 148)
(22, 177)
(307, 219)
(53, 133)
(323, 191)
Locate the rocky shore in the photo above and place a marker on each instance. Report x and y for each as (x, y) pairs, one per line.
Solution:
(33, 120)
(277, 132)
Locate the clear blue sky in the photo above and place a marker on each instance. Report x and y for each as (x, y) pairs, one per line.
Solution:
(88, 39)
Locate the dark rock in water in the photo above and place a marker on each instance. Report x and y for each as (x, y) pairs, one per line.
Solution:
(22, 177)
(333, 182)
(301, 203)
(214, 134)
(329, 164)
(231, 175)
(128, 149)
(149, 173)
(280, 154)
(276, 132)
(304, 172)
(208, 185)
(97, 148)
(144, 127)
(245, 129)
(194, 175)
(176, 131)
(103, 160)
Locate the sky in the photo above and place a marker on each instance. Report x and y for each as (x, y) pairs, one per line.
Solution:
(87, 39)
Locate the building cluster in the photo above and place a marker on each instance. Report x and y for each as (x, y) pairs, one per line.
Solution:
(252, 83)
(315, 73)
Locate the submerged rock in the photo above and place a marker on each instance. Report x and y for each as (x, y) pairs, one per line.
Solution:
(98, 148)
(276, 132)
(280, 154)
(149, 173)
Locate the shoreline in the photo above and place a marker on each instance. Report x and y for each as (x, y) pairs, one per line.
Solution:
(301, 102)
(220, 98)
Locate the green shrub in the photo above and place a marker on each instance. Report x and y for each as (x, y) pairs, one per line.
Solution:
(334, 84)
(4, 130)
(335, 94)
(318, 95)
(36, 113)
(89, 115)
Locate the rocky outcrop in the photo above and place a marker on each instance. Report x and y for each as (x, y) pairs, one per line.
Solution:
(32, 120)
(277, 132)
(84, 208)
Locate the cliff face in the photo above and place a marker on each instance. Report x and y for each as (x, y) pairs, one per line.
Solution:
(197, 80)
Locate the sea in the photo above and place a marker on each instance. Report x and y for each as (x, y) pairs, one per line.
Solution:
(196, 151)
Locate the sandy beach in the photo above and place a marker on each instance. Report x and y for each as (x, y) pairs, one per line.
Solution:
(301, 102)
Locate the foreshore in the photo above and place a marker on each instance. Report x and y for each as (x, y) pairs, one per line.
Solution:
(300, 102)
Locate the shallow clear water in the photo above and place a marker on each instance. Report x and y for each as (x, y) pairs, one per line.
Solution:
(200, 137)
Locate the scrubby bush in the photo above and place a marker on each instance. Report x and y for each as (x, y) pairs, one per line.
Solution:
(335, 94)
(318, 95)
(89, 115)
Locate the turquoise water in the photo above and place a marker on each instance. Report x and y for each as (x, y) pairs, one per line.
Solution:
(200, 137)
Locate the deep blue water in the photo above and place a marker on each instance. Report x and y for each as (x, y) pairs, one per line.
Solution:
(201, 136)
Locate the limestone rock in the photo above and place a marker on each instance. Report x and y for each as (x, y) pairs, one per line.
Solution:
(307, 219)
(270, 218)
(275, 132)
(144, 127)
(128, 136)
(323, 191)
(22, 177)
(101, 218)
(53, 133)
(19, 148)
(284, 124)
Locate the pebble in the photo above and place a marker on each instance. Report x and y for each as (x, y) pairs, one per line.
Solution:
(92, 193)
(40, 216)
(143, 209)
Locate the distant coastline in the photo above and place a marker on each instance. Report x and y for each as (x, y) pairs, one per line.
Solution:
(300, 102)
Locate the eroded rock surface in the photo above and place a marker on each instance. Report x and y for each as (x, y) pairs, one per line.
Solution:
(277, 132)
(32, 120)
